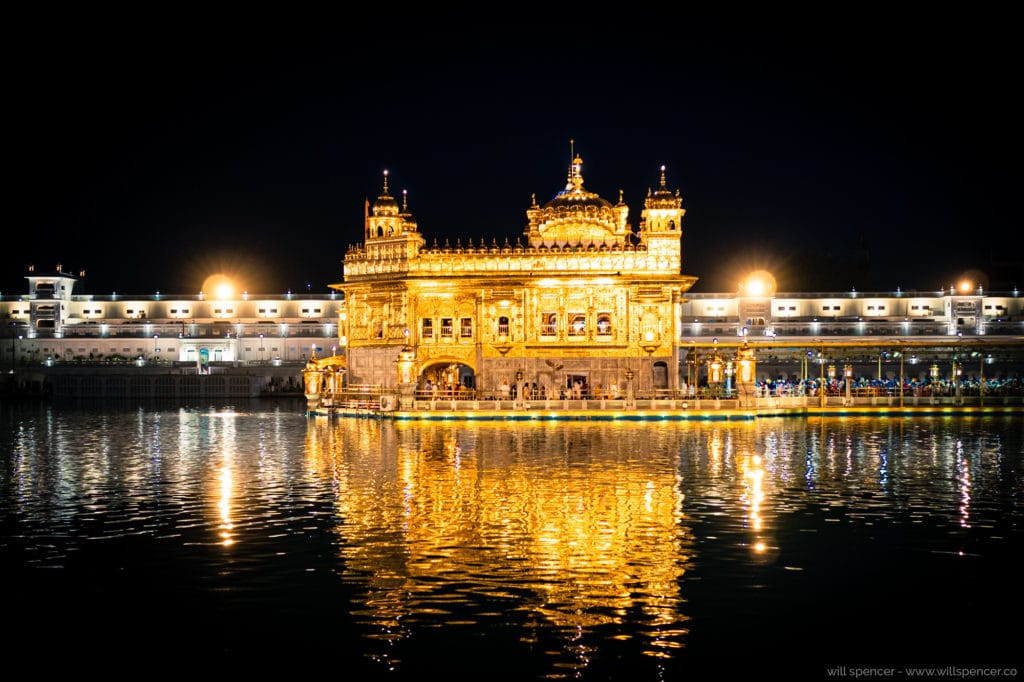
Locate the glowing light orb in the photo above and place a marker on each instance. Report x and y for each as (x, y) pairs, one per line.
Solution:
(219, 286)
(758, 283)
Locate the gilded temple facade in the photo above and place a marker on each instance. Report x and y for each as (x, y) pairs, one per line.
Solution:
(580, 301)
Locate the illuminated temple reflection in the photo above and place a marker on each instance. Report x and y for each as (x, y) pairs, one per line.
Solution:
(588, 535)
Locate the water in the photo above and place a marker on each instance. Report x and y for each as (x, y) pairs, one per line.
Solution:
(247, 538)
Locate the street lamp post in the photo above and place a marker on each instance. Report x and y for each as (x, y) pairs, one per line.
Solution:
(901, 379)
(981, 381)
(848, 375)
(261, 348)
(958, 370)
(821, 368)
(13, 324)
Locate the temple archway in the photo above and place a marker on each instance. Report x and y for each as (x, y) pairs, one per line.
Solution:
(446, 379)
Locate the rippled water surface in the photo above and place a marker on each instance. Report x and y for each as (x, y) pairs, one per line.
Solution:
(244, 536)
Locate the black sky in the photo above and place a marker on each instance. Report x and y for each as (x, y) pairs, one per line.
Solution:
(869, 151)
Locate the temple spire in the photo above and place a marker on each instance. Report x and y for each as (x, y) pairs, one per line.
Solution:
(575, 180)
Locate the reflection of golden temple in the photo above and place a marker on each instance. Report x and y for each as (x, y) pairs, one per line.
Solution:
(580, 289)
(583, 548)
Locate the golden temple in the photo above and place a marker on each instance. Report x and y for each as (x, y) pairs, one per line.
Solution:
(579, 302)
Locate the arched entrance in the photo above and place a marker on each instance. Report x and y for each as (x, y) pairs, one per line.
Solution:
(446, 379)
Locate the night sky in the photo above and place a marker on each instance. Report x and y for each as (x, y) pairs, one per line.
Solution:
(841, 151)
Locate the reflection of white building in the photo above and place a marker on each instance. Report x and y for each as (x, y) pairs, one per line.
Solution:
(52, 323)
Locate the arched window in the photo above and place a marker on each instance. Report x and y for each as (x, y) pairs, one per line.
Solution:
(502, 326)
(549, 324)
(604, 324)
(577, 324)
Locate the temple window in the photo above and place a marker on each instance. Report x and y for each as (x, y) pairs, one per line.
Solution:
(427, 327)
(502, 326)
(548, 324)
(577, 324)
(466, 327)
(604, 324)
(446, 327)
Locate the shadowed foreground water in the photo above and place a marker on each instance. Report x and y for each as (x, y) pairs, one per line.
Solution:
(247, 538)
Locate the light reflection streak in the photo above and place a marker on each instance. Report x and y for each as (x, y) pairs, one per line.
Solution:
(883, 469)
(224, 506)
(753, 473)
(963, 469)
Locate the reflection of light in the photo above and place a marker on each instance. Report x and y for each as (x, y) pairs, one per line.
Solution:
(715, 453)
(755, 476)
(224, 505)
(964, 479)
(752, 469)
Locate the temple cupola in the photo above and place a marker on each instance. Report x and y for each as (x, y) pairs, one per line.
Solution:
(576, 216)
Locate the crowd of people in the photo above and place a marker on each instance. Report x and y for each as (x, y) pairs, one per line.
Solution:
(764, 387)
(890, 386)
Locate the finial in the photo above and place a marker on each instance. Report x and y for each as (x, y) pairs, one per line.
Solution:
(405, 201)
(385, 182)
(662, 177)
(575, 176)
(620, 196)
(572, 155)
(533, 199)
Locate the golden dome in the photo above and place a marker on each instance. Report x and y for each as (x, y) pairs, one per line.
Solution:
(574, 196)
